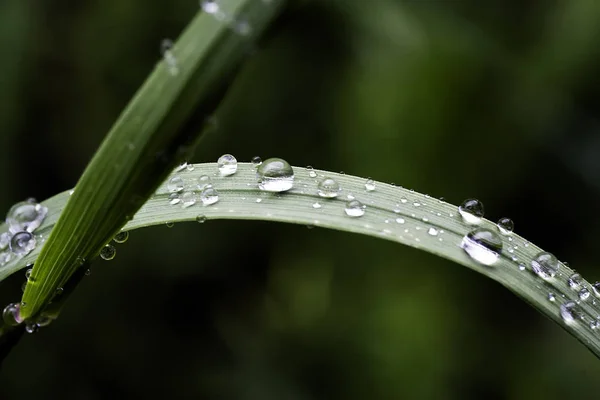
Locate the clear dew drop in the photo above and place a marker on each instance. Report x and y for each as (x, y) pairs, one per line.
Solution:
(317, 205)
(311, 172)
(551, 297)
(355, 208)
(175, 184)
(10, 314)
(256, 161)
(204, 181)
(174, 198)
(210, 6)
(28, 273)
(370, 185)
(201, 219)
(121, 237)
(209, 195)
(505, 226)
(188, 199)
(190, 167)
(275, 175)
(545, 265)
(583, 294)
(471, 211)
(575, 281)
(31, 327)
(596, 289)
(403, 200)
(22, 243)
(108, 252)
(483, 246)
(26, 216)
(570, 312)
(433, 232)
(400, 220)
(328, 188)
(227, 165)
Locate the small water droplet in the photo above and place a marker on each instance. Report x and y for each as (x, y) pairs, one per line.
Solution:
(311, 172)
(166, 47)
(432, 231)
(403, 200)
(370, 185)
(242, 27)
(31, 327)
(416, 204)
(584, 294)
(22, 243)
(275, 175)
(88, 272)
(209, 196)
(551, 297)
(256, 161)
(471, 211)
(10, 314)
(201, 219)
(570, 312)
(227, 165)
(316, 205)
(108, 252)
(355, 208)
(545, 265)
(174, 198)
(506, 226)
(483, 246)
(210, 6)
(181, 167)
(204, 181)
(175, 184)
(521, 267)
(121, 237)
(400, 220)
(575, 281)
(328, 188)
(25, 216)
(596, 289)
(594, 325)
(28, 273)
(188, 199)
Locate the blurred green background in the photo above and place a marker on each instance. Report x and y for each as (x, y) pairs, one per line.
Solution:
(496, 100)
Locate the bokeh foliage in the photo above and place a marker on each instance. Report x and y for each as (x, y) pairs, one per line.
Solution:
(454, 98)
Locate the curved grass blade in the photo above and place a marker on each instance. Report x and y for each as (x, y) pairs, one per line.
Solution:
(392, 213)
(157, 130)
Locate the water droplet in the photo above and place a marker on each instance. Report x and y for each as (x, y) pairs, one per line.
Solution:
(545, 265)
(174, 198)
(22, 243)
(551, 297)
(370, 185)
(181, 167)
(201, 219)
(328, 188)
(433, 232)
(209, 196)
(25, 216)
(210, 6)
(400, 220)
(88, 272)
(188, 199)
(121, 237)
(483, 246)
(506, 226)
(10, 314)
(594, 325)
(355, 208)
(575, 281)
(43, 321)
(31, 327)
(316, 205)
(59, 291)
(596, 289)
(28, 273)
(570, 312)
(204, 181)
(584, 294)
(521, 267)
(227, 165)
(403, 200)
(471, 211)
(175, 184)
(166, 47)
(256, 161)
(311, 171)
(108, 252)
(275, 175)
(4, 241)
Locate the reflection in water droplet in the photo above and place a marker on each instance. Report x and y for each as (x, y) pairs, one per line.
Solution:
(10, 314)
(355, 208)
(108, 252)
(209, 196)
(121, 237)
(545, 265)
(227, 165)
(22, 243)
(471, 211)
(31, 327)
(506, 226)
(275, 175)
(328, 188)
(483, 246)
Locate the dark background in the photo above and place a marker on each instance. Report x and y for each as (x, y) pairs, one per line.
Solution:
(495, 100)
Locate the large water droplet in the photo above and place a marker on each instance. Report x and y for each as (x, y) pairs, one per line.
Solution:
(227, 165)
(108, 252)
(506, 226)
(121, 237)
(22, 243)
(471, 211)
(209, 196)
(188, 199)
(275, 175)
(483, 246)
(25, 216)
(328, 188)
(175, 184)
(545, 265)
(570, 312)
(204, 181)
(10, 314)
(355, 208)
